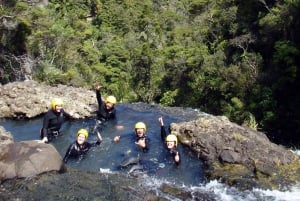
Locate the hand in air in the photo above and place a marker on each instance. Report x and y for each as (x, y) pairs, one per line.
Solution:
(97, 86)
(161, 121)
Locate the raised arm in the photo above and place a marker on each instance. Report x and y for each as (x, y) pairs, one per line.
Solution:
(163, 132)
(97, 87)
(68, 153)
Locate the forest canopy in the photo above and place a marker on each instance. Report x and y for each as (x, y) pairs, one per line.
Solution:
(228, 57)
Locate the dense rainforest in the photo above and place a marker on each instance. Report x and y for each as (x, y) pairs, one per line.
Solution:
(226, 57)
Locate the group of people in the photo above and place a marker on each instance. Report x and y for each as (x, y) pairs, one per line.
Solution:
(56, 116)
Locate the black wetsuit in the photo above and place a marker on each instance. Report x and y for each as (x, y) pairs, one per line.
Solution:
(77, 151)
(145, 149)
(104, 114)
(52, 123)
(173, 151)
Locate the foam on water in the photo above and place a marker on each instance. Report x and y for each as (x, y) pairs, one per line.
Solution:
(224, 192)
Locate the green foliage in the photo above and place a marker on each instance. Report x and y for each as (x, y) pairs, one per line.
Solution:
(168, 98)
(233, 58)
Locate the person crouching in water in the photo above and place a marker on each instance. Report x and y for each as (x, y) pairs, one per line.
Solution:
(81, 146)
(171, 142)
(106, 109)
(141, 139)
(53, 121)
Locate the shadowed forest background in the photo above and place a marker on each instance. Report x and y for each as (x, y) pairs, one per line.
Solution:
(226, 57)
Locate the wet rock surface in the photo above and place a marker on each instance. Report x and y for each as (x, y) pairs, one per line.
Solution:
(238, 155)
(77, 185)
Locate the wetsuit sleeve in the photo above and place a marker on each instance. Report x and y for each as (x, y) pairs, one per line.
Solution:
(68, 153)
(163, 133)
(67, 116)
(93, 144)
(45, 125)
(99, 99)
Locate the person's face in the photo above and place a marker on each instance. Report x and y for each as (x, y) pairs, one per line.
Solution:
(80, 139)
(139, 132)
(171, 144)
(58, 108)
(109, 105)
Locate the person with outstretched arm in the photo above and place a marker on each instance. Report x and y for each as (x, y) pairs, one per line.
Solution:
(171, 142)
(81, 146)
(106, 109)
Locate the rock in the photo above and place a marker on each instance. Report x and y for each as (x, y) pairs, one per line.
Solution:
(223, 144)
(29, 99)
(5, 136)
(28, 158)
(129, 161)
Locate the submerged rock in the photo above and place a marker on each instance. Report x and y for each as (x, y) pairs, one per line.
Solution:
(78, 185)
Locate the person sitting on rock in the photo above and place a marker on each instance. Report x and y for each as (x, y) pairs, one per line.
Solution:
(81, 146)
(106, 109)
(171, 142)
(53, 121)
(141, 139)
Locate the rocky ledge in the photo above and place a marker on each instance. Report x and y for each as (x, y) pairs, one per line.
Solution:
(29, 99)
(237, 155)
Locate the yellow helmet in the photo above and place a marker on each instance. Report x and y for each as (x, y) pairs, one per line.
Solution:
(55, 102)
(140, 125)
(111, 99)
(172, 138)
(84, 132)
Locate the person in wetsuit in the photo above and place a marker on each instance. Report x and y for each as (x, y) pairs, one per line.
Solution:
(171, 142)
(81, 146)
(53, 121)
(106, 109)
(141, 140)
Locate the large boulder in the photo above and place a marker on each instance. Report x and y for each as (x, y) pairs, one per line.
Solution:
(28, 158)
(239, 156)
(29, 99)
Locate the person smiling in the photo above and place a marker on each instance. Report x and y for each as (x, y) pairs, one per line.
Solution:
(53, 121)
(81, 146)
(141, 140)
(171, 142)
(106, 109)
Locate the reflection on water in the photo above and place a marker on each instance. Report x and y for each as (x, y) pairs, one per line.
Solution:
(109, 154)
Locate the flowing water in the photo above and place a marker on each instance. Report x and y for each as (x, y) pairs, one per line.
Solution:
(155, 163)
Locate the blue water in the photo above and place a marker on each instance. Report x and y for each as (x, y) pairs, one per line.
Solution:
(109, 154)
(160, 169)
